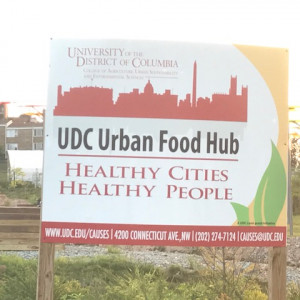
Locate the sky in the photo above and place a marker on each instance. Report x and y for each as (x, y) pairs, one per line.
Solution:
(26, 28)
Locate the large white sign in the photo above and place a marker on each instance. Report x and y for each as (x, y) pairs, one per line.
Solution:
(163, 143)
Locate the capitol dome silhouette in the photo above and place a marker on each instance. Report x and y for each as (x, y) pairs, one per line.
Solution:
(148, 89)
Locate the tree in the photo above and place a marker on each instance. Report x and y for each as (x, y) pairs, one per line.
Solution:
(17, 176)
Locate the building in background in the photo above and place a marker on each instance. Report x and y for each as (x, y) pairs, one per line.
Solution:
(21, 142)
(20, 133)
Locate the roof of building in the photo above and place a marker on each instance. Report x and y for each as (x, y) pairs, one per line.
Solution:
(25, 121)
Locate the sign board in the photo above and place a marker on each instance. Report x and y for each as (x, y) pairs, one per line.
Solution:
(164, 143)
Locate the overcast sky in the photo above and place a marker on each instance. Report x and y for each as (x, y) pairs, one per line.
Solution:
(27, 26)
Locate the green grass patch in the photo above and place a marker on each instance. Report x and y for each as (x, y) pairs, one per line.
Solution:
(22, 190)
(17, 278)
(112, 277)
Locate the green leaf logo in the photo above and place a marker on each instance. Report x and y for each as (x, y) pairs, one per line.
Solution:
(242, 213)
(270, 195)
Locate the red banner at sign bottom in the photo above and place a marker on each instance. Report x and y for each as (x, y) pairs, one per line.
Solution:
(163, 235)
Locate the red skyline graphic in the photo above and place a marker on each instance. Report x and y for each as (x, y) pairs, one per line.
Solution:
(98, 101)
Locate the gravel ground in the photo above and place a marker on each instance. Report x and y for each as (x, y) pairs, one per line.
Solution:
(183, 256)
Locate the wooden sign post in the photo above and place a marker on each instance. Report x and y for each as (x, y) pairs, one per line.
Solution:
(45, 280)
(277, 273)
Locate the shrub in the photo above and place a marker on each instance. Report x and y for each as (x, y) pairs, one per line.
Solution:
(293, 291)
(24, 190)
(18, 278)
(255, 294)
(68, 290)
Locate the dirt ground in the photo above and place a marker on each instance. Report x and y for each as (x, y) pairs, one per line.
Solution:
(5, 201)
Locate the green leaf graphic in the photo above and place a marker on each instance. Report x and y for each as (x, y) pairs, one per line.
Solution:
(270, 194)
(242, 213)
(274, 188)
(259, 199)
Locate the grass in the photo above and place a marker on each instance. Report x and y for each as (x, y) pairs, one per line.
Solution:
(112, 277)
(24, 190)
